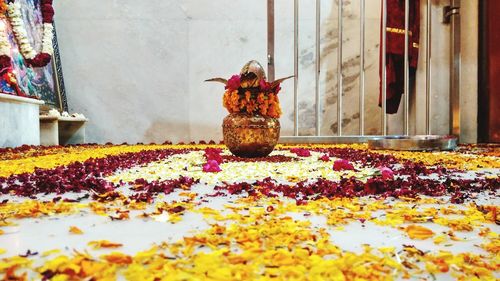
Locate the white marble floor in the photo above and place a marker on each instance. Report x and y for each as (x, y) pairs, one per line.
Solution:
(38, 235)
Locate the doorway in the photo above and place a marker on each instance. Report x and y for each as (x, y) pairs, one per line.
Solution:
(489, 72)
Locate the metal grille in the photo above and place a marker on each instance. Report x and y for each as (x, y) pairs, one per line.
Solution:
(451, 14)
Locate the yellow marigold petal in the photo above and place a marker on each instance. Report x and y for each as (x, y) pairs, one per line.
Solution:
(418, 232)
(75, 230)
(104, 244)
(440, 239)
(493, 247)
(50, 252)
(118, 258)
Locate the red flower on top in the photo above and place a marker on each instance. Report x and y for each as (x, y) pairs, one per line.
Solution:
(277, 89)
(265, 86)
(234, 83)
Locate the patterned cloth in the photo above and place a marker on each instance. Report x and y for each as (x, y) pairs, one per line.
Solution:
(395, 49)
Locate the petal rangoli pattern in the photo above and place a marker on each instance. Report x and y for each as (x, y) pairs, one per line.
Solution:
(195, 212)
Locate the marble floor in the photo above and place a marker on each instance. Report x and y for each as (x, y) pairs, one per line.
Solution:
(180, 225)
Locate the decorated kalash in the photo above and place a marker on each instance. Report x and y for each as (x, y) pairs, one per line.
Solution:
(252, 128)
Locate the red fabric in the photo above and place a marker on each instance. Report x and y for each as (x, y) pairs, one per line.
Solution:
(395, 49)
(493, 70)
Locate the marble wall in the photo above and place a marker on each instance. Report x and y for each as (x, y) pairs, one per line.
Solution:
(19, 123)
(136, 68)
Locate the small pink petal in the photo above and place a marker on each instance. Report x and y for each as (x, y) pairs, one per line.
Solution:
(211, 167)
(387, 174)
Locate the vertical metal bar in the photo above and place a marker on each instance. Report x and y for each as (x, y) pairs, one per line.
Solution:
(455, 69)
(384, 67)
(406, 125)
(339, 71)
(296, 66)
(270, 40)
(428, 70)
(362, 69)
(318, 67)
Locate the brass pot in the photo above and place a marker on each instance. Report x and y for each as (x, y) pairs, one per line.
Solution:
(250, 136)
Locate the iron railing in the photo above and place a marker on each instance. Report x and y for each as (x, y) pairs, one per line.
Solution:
(451, 14)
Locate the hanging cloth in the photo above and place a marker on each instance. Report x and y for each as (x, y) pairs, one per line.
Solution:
(395, 50)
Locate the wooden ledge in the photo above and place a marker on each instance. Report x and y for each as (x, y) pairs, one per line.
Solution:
(48, 118)
(73, 119)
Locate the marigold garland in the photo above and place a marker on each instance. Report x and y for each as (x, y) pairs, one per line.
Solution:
(250, 93)
(262, 100)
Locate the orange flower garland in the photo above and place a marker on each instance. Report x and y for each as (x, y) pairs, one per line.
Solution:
(265, 104)
(262, 100)
(250, 93)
